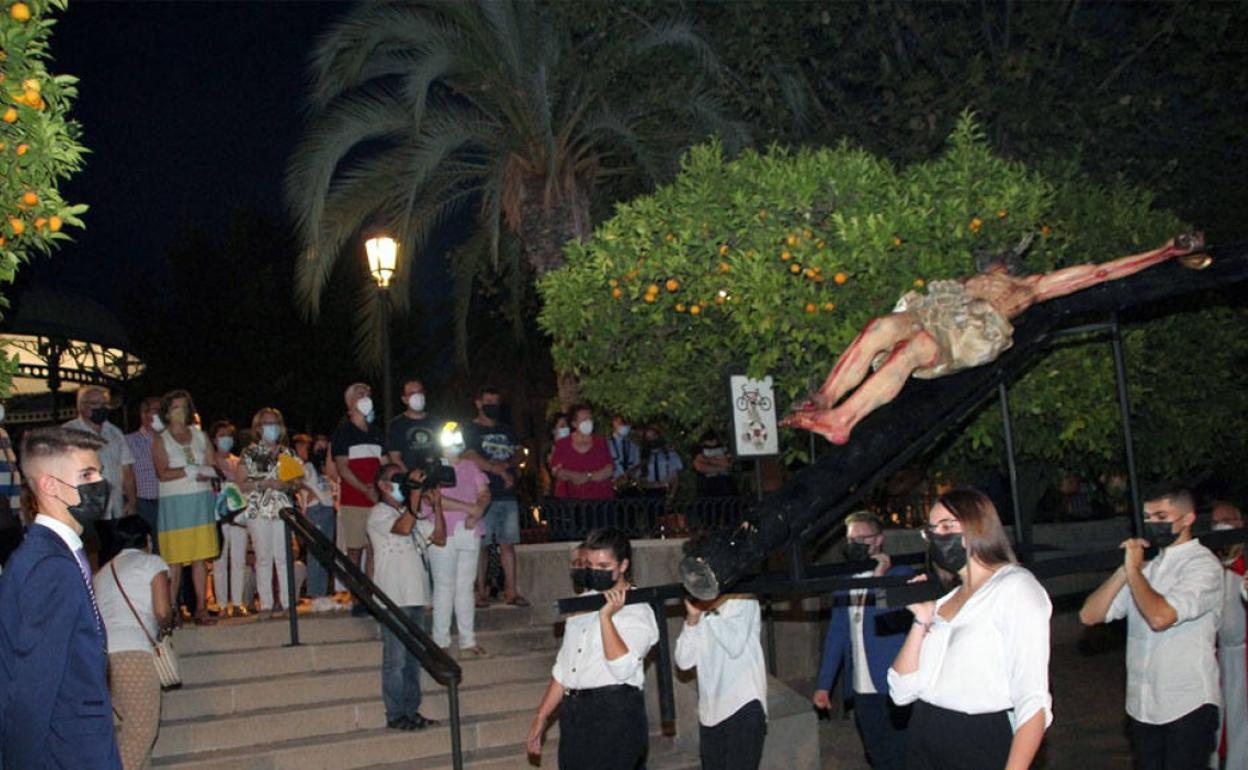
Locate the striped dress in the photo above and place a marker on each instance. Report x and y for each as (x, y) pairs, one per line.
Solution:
(187, 524)
(8, 475)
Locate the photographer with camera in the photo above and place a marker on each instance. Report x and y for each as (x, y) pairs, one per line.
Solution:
(465, 493)
(400, 540)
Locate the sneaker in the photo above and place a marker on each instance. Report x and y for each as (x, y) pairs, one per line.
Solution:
(402, 723)
(419, 722)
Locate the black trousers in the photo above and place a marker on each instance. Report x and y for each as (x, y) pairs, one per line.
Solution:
(735, 743)
(1184, 744)
(941, 739)
(603, 729)
(882, 727)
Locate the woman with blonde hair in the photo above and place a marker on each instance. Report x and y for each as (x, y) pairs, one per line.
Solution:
(267, 495)
(183, 459)
(976, 660)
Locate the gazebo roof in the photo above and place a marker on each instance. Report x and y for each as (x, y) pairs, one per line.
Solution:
(47, 312)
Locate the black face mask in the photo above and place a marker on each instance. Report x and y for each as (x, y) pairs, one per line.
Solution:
(1159, 534)
(491, 411)
(600, 580)
(99, 415)
(857, 551)
(580, 579)
(947, 551)
(92, 501)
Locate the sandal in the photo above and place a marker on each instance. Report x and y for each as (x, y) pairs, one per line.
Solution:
(518, 601)
(202, 619)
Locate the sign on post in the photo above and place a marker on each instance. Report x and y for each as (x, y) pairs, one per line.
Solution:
(754, 424)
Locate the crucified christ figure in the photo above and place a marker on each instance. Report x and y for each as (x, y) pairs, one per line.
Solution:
(958, 324)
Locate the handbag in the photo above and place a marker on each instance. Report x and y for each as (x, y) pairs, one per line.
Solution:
(163, 654)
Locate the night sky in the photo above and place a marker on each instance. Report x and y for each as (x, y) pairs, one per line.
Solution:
(190, 110)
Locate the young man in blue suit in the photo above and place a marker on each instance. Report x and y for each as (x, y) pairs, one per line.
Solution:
(55, 711)
(863, 639)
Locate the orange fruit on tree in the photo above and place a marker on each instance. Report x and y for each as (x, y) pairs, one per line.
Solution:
(680, 307)
(724, 267)
(31, 98)
(811, 307)
(22, 149)
(1002, 213)
(695, 309)
(808, 233)
(976, 223)
(30, 198)
(723, 249)
(672, 284)
(20, 12)
(652, 288)
(55, 223)
(829, 306)
(617, 293)
(30, 84)
(10, 115)
(791, 240)
(896, 240)
(18, 225)
(919, 283)
(785, 255)
(613, 283)
(840, 279)
(649, 298)
(40, 223)
(795, 268)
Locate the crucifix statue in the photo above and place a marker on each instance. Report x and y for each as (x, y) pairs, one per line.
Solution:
(957, 325)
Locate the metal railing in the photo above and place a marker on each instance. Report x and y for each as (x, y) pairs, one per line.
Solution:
(432, 658)
(640, 516)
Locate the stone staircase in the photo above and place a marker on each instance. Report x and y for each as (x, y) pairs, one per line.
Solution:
(250, 703)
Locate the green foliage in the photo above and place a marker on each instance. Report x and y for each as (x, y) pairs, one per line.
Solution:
(38, 142)
(778, 260)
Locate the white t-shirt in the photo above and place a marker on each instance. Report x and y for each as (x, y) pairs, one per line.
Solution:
(398, 570)
(135, 570)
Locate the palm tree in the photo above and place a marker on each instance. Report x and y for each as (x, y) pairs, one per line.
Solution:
(431, 111)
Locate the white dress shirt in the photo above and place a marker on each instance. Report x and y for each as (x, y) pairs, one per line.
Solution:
(724, 646)
(581, 663)
(65, 532)
(857, 610)
(993, 656)
(1174, 672)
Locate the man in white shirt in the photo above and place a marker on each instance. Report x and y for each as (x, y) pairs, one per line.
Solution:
(116, 461)
(721, 639)
(1172, 606)
(397, 538)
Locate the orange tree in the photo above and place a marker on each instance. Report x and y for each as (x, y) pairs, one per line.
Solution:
(772, 263)
(38, 142)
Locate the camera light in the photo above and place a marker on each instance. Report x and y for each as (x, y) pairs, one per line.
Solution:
(452, 435)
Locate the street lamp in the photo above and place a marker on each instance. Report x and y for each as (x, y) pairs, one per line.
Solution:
(383, 254)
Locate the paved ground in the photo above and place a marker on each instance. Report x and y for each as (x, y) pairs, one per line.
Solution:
(1087, 677)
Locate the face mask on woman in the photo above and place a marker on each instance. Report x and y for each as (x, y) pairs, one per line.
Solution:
(270, 432)
(225, 443)
(600, 580)
(947, 551)
(562, 432)
(586, 427)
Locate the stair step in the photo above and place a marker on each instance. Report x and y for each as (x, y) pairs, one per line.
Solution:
(364, 678)
(663, 755)
(255, 632)
(341, 715)
(223, 667)
(361, 748)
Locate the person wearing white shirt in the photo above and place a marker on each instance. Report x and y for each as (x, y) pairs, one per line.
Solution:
(721, 639)
(975, 663)
(1172, 605)
(132, 592)
(598, 676)
(399, 539)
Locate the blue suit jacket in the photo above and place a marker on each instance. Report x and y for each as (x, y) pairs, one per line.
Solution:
(54, 706)
(884, 630)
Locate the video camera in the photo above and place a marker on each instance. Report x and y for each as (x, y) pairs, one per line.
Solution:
(435, 471)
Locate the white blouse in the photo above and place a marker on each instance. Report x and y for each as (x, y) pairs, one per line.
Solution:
(993, 656)
(726, 649)
(581, 663)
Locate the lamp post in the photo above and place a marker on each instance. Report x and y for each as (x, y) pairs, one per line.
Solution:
(383, 254)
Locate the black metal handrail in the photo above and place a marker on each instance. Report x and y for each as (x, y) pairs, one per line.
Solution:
(432, 658)
(568, 519)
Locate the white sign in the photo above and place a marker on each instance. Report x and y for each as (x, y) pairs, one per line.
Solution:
(754, 424)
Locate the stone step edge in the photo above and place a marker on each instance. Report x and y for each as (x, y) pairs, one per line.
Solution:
(533, 682)
(486, 634)
(550, 753)
(261, 749)
(546, 653)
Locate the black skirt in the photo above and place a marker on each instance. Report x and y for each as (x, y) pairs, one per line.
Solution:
(941, 739)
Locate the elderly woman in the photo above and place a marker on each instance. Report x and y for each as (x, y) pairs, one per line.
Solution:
(184, 461)
(132, 591)
(266, 495)
(976, 660)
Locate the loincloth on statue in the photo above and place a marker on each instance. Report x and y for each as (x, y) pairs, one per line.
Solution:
(968, 330)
